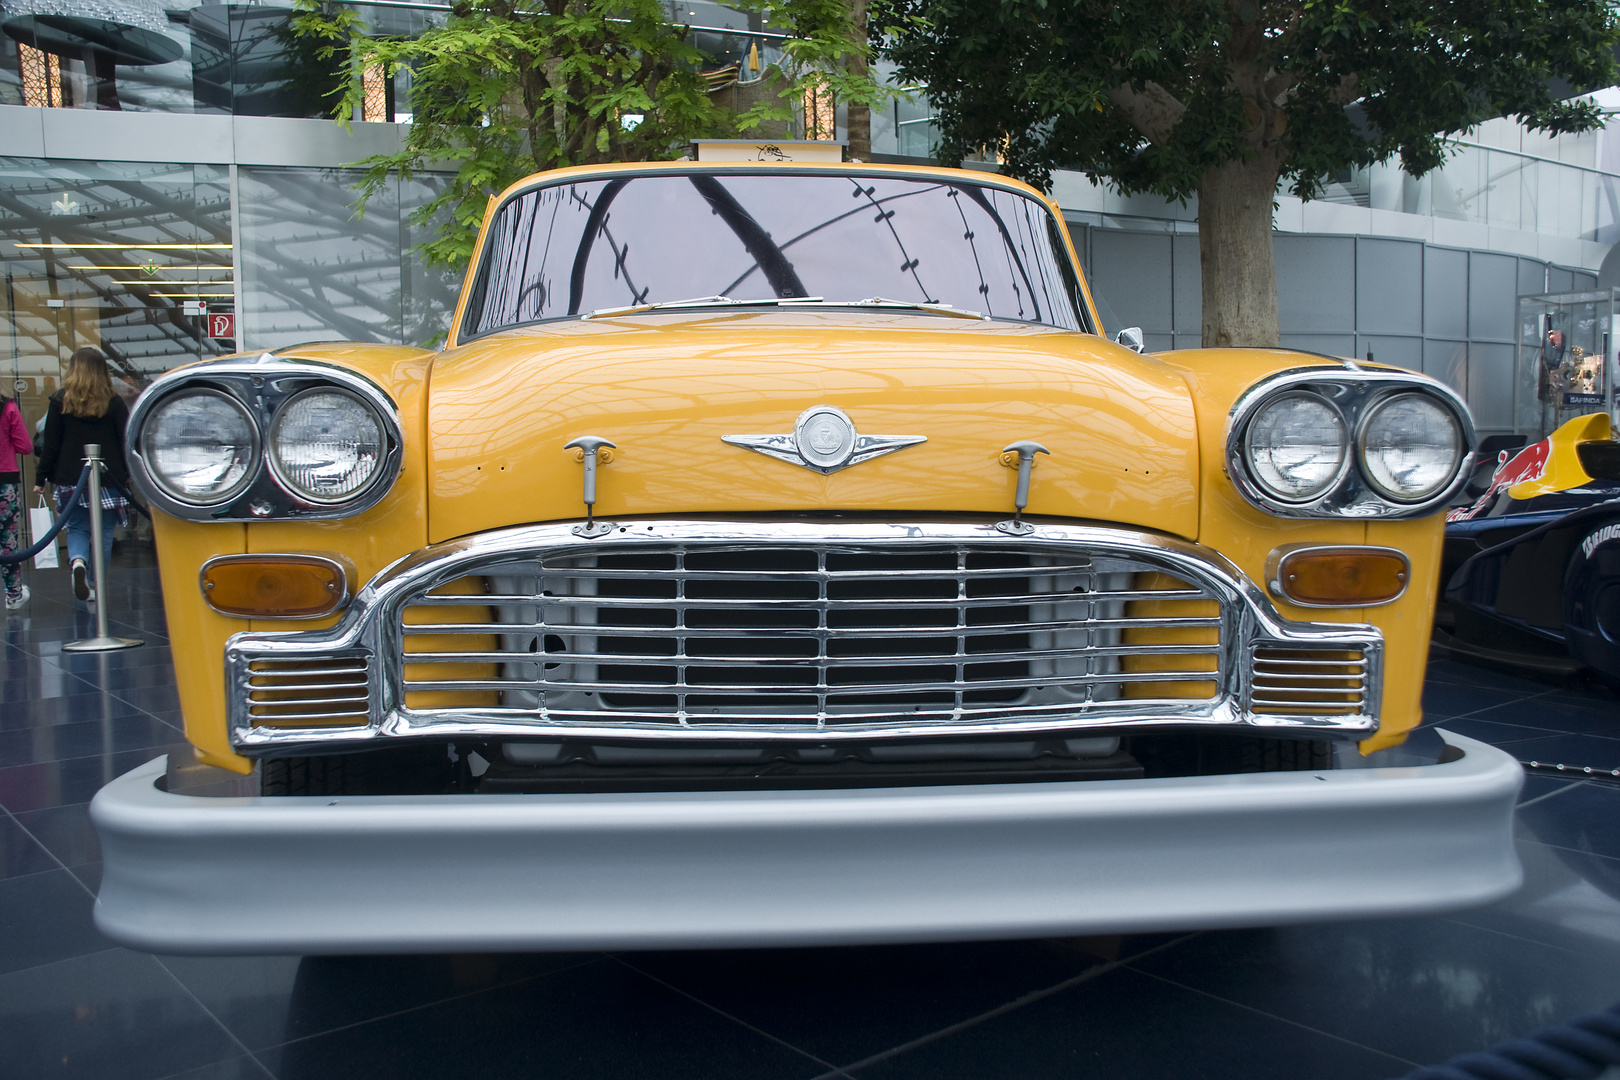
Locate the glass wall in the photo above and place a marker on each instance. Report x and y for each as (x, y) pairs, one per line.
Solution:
(116, 255)
(145, 56)
(1494, 187)
(138, 258)
(314, 268)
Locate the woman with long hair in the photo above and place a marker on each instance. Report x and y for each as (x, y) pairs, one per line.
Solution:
(85, 410)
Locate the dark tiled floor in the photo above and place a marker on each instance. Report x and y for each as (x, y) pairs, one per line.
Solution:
(1361, 1000)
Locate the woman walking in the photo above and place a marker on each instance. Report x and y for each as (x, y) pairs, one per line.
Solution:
(84, 411)
(14, 441)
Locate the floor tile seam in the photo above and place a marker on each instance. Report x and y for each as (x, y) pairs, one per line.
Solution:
(42, 846)
(165, 746)
(836, 1071)
(1093, 972)
(1540, 732)
(111, 948)
(1279, 1019)
(60, 865)
(103, 753)
(197, 1001)
(1573, 850)
(1474, 713)
(1550, 731)
(1566, 786)
(1461, 920)
(426, 1005)
(264, 1072)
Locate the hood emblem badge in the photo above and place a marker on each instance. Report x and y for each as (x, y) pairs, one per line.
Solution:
(824, 440)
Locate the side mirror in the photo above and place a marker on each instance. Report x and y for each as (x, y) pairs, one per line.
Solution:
(1131, 338)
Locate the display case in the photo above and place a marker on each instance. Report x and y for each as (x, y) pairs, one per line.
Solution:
(1566, 365)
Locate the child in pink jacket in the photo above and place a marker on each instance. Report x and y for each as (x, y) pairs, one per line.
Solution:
(14, 440)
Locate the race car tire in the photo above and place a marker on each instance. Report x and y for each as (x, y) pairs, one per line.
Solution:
(1592, 598)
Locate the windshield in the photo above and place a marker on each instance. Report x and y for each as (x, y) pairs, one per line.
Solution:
(569, 249)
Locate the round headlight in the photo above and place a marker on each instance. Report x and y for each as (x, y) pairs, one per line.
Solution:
(200, 447)
(326, 446)
(1411, 446)
(1296, 446)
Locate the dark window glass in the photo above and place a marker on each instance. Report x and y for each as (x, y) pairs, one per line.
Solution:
(567, 249)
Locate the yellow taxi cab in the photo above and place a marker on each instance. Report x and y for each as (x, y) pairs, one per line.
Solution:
(784, 554)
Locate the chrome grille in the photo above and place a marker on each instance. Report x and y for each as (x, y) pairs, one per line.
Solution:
(796, 635)
(303, 692)
(1313, 682)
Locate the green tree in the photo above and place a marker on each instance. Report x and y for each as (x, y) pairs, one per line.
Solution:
(505, 88)
(1224, 99)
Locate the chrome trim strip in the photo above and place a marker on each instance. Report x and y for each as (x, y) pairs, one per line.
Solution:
(1280, 557)
(1354, 393)
(371, 629)
(261, 386)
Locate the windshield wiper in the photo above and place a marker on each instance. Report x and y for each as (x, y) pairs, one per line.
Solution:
(888, 304)
(790, 301)
(697, 302)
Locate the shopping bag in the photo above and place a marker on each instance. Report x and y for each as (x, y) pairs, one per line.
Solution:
(40, 520)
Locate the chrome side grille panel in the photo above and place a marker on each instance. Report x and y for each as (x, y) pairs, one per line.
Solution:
(1288, 682)
(332, 688)
(811, 631)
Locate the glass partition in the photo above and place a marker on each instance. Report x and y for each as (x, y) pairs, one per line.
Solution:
(118, 255)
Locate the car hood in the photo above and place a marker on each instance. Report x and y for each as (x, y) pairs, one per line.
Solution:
(666, 388)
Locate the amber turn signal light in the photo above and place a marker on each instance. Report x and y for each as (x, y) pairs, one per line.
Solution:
(275, 586)
(1318, 576)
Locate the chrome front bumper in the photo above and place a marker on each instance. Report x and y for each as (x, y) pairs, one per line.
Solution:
(775, 868)
(357, 685)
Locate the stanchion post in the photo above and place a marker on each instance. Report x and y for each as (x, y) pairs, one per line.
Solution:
(102, 642)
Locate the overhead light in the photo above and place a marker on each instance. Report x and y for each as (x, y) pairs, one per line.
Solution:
(191, 295)
(167, 281)
(127, 247)
(188, 267)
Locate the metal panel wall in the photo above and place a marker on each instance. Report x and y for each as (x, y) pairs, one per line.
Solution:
(1389, 287)
(1316, 283)
(1447, 312)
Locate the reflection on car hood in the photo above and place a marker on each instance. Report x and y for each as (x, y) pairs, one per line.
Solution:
(666, 386)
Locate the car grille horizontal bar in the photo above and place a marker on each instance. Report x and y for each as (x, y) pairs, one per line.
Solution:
(809, 635)
(301, 692)
(1286, 682)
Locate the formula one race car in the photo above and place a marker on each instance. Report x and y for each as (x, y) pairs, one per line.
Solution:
(1533, 565)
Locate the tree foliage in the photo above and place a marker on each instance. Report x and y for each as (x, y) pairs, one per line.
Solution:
(505, 88)
(1153, 93)
(1224, 98)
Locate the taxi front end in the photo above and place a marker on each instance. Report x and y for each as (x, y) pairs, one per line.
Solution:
(781, 555)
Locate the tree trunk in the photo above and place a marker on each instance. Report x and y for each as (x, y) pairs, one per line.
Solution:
(1235, 255)
(859, 118)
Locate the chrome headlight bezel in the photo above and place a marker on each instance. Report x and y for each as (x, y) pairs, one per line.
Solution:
(156, 476)
(1355, 394)
(261, 387)
(1371, 414)
(1346, 447)
(273, 459)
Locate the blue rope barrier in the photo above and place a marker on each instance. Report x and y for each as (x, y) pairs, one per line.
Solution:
(1583, 1049)
(61, 520)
